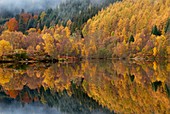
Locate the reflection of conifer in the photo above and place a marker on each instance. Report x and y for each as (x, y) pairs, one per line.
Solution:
(131, 39)
(77, 103)
(132, 77)
(4, 97)
(155, 31)
(167, 90)
(167, 27)
(156, 84)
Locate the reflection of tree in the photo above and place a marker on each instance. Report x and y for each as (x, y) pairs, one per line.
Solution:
(132, 87)
(77, 103)
(156, 84)
(167, 90)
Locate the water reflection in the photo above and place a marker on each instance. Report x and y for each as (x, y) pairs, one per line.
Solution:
(47, 101)
(32, 108)
(89, 86)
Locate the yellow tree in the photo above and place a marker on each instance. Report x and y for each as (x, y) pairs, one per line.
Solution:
(49, 45)
(67, 31)
(5, 47)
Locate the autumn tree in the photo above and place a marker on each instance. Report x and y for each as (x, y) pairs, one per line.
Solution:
(16, 39)
(12, 24)
(126, 18)
(49, 45)
(5, 47)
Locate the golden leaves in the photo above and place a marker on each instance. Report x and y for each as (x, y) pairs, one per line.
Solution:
(5, 47)
(155, 51)
(109, 84)
(49, 44)
(128, 18)
(5, 76)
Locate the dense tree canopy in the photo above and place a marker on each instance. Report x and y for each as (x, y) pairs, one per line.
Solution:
(125, 29)
(114, 27)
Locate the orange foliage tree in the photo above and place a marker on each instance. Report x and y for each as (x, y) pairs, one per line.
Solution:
(12, 25)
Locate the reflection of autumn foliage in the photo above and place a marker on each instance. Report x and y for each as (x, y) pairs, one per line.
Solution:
(60, 100)
(60, 77)
(133, 87)
(55, 77)
(32, 78)
(12, 93)
(5, 76)
(118, 91)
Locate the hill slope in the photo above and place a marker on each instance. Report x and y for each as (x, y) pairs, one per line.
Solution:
(131, 28)
(78, 11)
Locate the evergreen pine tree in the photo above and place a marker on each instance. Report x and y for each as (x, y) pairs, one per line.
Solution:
(30, 24)
(21, 25)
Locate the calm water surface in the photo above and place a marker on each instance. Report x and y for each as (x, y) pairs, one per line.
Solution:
(88, 87)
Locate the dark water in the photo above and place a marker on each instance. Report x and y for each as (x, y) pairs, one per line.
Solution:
(88, 87)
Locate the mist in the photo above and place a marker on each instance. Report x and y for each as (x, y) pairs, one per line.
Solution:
(27, 5)
(31, 5)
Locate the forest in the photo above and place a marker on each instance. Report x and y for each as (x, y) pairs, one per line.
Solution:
(126, 29)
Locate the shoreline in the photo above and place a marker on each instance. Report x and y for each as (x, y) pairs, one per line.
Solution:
(81, 59)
